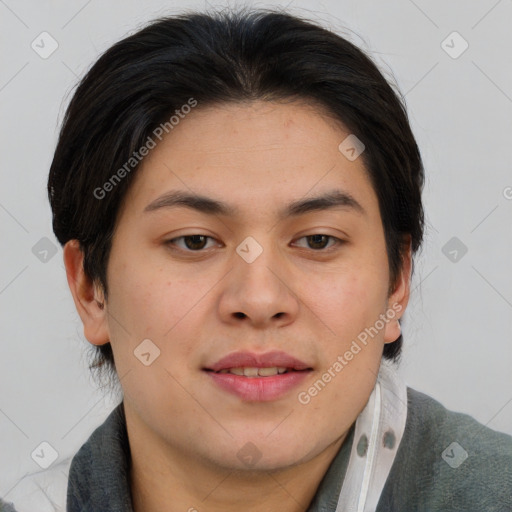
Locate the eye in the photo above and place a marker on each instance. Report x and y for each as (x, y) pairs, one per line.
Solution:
(319, 241)
(196, 242)
(193, 243)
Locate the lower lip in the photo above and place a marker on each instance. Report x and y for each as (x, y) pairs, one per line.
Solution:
(259, 389)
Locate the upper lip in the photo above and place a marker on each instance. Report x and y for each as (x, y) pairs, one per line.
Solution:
(246, 359)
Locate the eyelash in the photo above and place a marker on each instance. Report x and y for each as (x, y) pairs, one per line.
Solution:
(338, 242)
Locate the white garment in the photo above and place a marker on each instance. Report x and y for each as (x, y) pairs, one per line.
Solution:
(44, 491)
(378, 432)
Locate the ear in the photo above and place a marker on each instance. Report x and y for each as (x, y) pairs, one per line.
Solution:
(88, 297)
(399, 298)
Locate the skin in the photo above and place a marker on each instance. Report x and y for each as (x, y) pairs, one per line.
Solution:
(184, 431)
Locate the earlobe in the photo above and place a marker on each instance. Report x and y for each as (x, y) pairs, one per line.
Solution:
(87, 296)
(392, 331)
(398, 300)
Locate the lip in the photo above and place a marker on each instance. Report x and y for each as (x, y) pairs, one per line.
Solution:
(258, 389)
(252, 360)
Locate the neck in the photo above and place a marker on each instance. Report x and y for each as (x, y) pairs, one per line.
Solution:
(160, 482)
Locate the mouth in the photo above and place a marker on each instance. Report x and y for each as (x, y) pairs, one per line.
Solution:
(254, 372)
(258, 377)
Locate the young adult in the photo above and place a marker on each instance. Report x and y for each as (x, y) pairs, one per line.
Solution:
(238, 196)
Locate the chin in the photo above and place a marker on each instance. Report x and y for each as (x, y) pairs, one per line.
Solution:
(261, 455)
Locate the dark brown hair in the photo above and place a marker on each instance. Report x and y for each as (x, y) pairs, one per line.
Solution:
(227, 56)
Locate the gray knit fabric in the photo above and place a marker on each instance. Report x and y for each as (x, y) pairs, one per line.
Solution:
(446, 462)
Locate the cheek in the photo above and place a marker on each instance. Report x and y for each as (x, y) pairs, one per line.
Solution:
(355, 289)
(148, 304)
(163, 308)
(148, 297)
(348, 302)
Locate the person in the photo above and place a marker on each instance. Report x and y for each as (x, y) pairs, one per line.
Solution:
(238, 196)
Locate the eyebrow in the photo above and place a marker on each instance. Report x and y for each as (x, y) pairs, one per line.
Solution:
(327, 201)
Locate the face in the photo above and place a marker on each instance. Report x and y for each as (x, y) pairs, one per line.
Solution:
(258, 274)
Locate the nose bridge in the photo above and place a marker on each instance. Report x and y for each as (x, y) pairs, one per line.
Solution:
(257, 286)
(258, 263)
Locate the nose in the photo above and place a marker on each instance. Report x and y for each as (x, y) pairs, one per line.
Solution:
(259, 292)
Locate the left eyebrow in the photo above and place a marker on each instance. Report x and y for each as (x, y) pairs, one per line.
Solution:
(330, 200)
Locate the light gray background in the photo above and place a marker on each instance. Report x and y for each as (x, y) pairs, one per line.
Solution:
(459, 322)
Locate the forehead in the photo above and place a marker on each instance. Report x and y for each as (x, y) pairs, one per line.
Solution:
(252, 153)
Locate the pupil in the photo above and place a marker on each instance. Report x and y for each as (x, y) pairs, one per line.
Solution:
(315, 239)
(196, 239)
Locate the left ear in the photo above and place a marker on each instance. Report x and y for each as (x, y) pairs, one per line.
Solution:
(399, 298)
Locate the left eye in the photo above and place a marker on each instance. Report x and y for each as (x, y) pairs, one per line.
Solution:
(320, 241)
(192, 242)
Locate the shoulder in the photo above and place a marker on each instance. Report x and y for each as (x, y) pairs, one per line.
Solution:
(448, 461)
(42, 491)
(430, 418)
(6, 507)
(47, 490)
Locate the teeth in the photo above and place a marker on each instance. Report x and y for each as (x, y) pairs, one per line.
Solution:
(251, 372)
(267, 372)
(256, 372)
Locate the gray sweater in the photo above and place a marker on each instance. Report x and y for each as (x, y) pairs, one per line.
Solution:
(446, 462)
